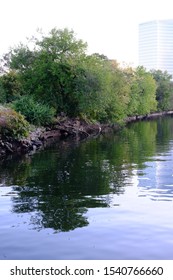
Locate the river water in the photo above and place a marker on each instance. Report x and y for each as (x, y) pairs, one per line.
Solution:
(105, 198)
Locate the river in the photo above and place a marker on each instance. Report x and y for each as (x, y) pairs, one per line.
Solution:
(109, 197)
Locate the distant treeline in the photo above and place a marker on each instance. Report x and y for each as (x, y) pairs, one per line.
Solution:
(53, 74)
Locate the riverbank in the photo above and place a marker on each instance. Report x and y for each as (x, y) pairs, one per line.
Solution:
(63, 128)
(148, 116)
(41, 137)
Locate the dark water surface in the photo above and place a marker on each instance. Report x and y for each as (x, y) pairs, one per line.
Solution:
(106, 198)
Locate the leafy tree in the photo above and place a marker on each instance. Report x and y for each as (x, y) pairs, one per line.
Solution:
(119, 93)
(134, 95)
(57, 71)
(21, 58)
(62, 45)
(143, 93)
(48, 71)
(104, 93)
(91, 86)
(164, 91)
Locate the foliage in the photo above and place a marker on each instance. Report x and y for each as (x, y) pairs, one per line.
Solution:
(2, 92)
(91, 88)
(48, 72)
(119, 93)
(34, 112)
(164, 91)
(12, 124)
(147, 92)
(103, 94)
(57, 72)
(10, 87)
(143, 92)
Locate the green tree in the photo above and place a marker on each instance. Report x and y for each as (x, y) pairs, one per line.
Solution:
(143, 93)
(57, 72)
(48, 72)
(104, 94)
(164, 91)
(120, 93)
(91, 84)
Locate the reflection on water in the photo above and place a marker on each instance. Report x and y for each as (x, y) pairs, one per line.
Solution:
(107, 198)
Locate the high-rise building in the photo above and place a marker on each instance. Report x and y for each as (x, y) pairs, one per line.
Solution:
(156, 45)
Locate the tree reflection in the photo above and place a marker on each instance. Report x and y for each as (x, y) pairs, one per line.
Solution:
(58, 185)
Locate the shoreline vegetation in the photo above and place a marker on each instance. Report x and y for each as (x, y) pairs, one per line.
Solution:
(64, 128)
(52, 89)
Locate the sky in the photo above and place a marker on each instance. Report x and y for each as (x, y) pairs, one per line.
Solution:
(109, 27)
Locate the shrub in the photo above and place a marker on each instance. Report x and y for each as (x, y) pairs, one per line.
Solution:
(12, 124)
(34, 112)
(10, 87)
(2, 93)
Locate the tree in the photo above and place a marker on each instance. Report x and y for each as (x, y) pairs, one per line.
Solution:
(49, 70)
(57, 72)
(143, 93)
(164, 91)
(119, 93)
(91, 84)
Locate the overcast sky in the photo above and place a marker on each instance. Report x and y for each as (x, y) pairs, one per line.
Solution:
(110, 27)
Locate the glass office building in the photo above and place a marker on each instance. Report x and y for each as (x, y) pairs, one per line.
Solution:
(156, 45)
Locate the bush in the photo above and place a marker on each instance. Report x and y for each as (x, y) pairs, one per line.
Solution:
(12, 124)
(2, 93)
(10, 87)
(34, 112)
